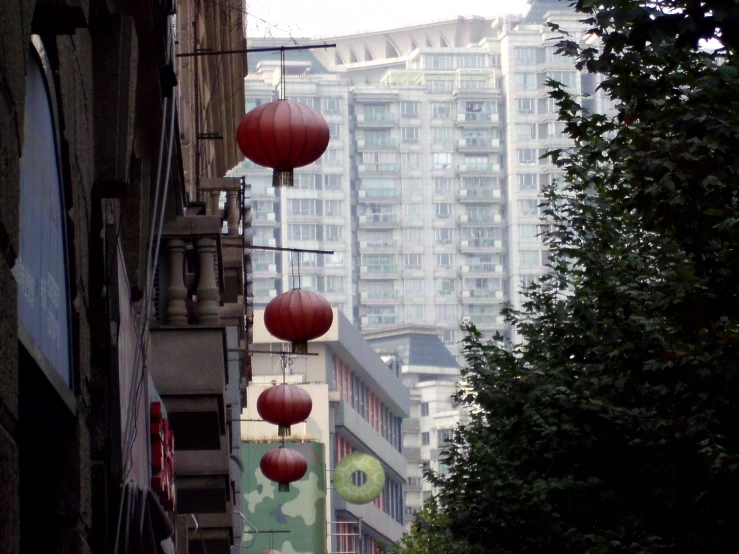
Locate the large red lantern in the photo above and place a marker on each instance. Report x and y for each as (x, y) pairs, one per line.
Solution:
(298, 316)
(284, 405)
(284, 466)
(283, 135)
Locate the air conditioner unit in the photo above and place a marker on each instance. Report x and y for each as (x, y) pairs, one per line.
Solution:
(465, 294)
(499, 294)
(462, 143)
(363, 295)
(465, 243)
(272, 293)
(498, 269)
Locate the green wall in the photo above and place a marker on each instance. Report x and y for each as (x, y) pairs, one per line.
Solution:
(302, 511)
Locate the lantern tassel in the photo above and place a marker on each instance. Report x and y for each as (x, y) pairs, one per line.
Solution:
(282, 178)
(283, 487)
(300, 348)
(283, 430)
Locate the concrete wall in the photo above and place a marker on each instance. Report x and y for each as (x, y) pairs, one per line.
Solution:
(103, 58)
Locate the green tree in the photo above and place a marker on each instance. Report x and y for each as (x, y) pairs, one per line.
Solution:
(612, 425)
(430, 534)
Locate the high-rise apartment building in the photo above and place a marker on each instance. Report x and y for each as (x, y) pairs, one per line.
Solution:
(429, 191)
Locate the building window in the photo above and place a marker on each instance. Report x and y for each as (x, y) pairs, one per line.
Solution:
(412, 236)
(527, 182)
(301, 206)
(529, 233)
(525, 55)
(441, 110)
(530, 258)
(527, 156)
(425, 437)
(412, 210)
(444, 236)
(413, 261)
(567, 78)
(443, 185)
(332, 157)
(307, 181)
(334, 284)
(410, 160)
(332, 182)
(446, 287)
(409, 109)
(333, 233)
(410, 135)
(443, 210)
(414, 313)
(305, 100)
(526, 106)
(411, 186)
(445, 261)
(299, 232)
(442, 135)
(446, 312)
(334, 260)
(528, 207)
(442, 160)
(528, 280)
(333, 207)
(557, 129)
(413, 287)
(443, 436)
(449, 336)
(525, 131)
(424, 409)
(334, 131)
(331, 105)
(525, 81)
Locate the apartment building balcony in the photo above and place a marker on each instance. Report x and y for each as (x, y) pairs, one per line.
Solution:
(481, 269)
(379, 320)
(263, 267)
(264, 219)
(474, 296)
(478, 144)
(412, 453)
(378, 245)
(379, 221)
(377, 119)
(480, 245)
(261, 192)
(265, 242)
(476, 220)
(411, 425)
(371, 516)
(478, 169)
(487, 321)
(477, 119)
(382, 271)
(380, 296)
(388, 144)
(378, 169)
(478, 195)
(375, 196)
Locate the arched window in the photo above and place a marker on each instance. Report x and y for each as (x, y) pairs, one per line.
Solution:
(41, 268)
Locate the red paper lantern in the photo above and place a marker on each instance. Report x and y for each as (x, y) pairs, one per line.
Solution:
(284, 466)
(283, 135)
(284, 405)
(298, 316)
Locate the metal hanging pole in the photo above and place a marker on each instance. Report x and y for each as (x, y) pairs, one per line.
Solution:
(198, 53)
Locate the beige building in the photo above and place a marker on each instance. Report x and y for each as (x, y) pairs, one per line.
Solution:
(429, 193)
(359, 404)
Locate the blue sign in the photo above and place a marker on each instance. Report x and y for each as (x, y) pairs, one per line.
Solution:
(41, 267)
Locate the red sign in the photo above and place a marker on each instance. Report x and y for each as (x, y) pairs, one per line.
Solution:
(162, 457)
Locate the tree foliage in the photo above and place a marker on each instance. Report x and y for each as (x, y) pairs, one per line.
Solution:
(612, 425)
(430, 534)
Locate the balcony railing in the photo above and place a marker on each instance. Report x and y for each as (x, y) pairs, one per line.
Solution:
(380, 294)
(377, 168)
(384, 268)
(378, 219)
(479, 194)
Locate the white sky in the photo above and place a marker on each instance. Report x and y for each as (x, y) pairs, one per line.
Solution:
(310, 18)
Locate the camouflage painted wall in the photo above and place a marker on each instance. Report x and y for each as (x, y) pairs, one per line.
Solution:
(302, 511)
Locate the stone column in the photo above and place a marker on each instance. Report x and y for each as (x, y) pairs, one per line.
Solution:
(207, 308)
(232, 205)
(215, 197)
(176, 292)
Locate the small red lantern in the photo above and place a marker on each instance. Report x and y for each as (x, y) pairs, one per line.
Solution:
(284, 466)
(298, 316)
(283, 135)
(284, 405)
